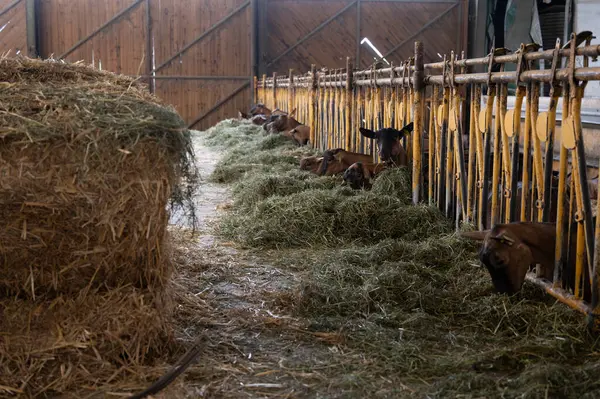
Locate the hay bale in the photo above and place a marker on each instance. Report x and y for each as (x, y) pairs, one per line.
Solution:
(73, 343)
(89, 162)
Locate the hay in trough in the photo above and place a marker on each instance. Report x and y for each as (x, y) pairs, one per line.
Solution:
(89, 163)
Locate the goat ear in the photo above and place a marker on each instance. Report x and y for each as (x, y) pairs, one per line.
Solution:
(242, 115)
(406, 130)
(293, 113)
(475, 235)
(367, 133)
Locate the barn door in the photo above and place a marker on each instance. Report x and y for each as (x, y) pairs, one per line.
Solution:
(189, 51)
(200, 64)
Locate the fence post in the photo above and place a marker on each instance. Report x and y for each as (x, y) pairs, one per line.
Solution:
(264, 89)
(419, 95)
(290, 98)
(348, 104)
(312, 122)
(275, 90)
(255, 90)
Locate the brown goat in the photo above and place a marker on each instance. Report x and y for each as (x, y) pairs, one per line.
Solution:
(509, 250)
(342, 158)
(315, 165)
(300, 134)
(360, 175)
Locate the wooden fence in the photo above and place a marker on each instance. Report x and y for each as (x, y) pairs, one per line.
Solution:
(466, 141)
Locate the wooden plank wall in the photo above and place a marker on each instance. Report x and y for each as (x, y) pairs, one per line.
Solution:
(225, 52)
(385, 23)
(120, 48)
(13, 29)
(123, 45)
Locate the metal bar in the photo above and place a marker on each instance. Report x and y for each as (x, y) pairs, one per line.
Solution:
(100, 29)
(312, 33)
(219, 104)
(483, 200)
(516, 127)
(590, 51)
(9, 7)
(203, 35)
(460, 159)
(500, 102)
(149, 46)
(31, 24)
(594, 314)
(443, 151)
(560, 294)
(183, 77)
(423, 28)
(543, 75)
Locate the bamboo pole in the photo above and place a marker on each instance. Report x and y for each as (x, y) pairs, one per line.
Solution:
(348, 104)
(312, 108)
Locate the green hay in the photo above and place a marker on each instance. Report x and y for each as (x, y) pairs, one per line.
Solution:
(415, 308)
(249, 192)
(330, 217)
(395, 182)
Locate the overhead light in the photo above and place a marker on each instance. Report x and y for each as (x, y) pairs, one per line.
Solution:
(366, 40)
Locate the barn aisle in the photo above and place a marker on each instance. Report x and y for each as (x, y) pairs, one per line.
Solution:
(230, 298)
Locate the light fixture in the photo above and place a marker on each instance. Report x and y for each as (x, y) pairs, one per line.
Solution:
(366, 40)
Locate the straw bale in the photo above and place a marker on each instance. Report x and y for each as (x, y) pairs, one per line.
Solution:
(78, 343)
(88, 168)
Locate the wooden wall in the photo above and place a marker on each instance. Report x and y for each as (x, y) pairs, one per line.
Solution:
(13, 34)
(387, 24)
(208, 80)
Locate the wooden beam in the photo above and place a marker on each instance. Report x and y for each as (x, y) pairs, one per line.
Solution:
(312, 33)
(31, 26)
(100, 29)
(262, 37)
(9, 7)
(423, 28)
(149, 45)
(253, 45)
(219, 104)
(203, 35)
(357, 62)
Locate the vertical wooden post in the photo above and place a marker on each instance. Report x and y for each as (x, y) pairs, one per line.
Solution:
(275, 91)
(348, 104)
(264, 90)
(312, 120)
(419, 88)
(290, 99)
(255, 98)
(31, 26)
(254, 47)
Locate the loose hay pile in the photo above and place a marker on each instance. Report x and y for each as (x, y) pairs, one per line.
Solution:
(89, 162)
(418, 316)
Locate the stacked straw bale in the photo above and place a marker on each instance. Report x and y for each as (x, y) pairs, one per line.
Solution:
(89, 162)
